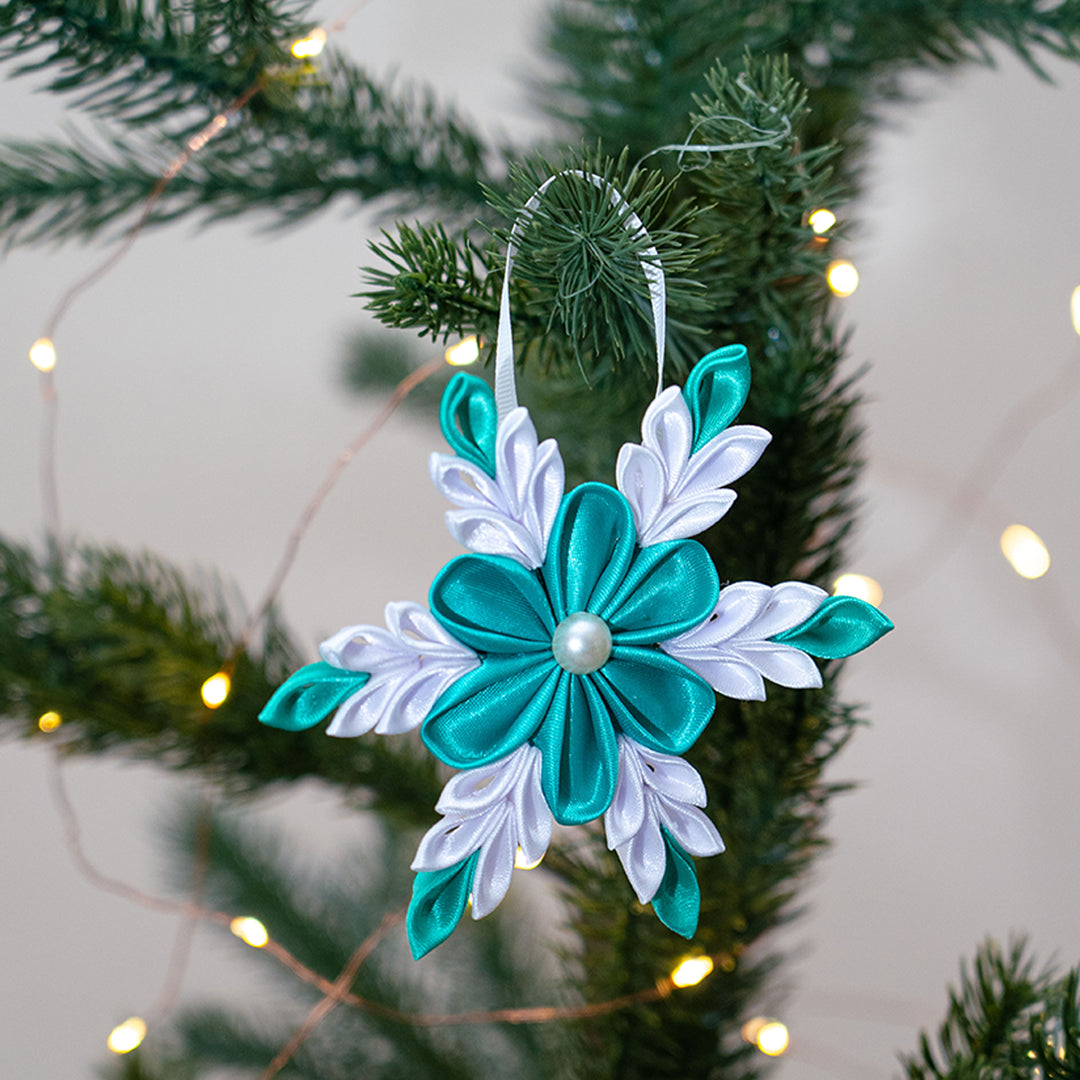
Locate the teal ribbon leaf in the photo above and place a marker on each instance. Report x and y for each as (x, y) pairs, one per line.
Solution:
(438, 901)
(678, 900)
(469, 420)
(716, 391)
(841, 626)
(310, 695)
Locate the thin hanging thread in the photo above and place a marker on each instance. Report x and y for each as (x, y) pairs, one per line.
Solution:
(768, 137)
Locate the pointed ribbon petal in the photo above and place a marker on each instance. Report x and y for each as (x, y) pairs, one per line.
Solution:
(438, 902)
(678, 900)
(469, 419)
(716, 391)
(309, 695)
(841, 626)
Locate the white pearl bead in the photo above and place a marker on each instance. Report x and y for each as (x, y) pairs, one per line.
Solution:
(581, 643)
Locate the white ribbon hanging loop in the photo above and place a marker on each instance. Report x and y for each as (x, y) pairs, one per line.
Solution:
(505, 387)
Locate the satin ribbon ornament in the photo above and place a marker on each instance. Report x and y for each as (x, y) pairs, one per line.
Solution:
(574, 653)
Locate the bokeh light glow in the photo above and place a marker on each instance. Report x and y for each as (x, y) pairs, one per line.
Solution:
(215, 690)
(250, 931)
(822, 220)
(842, 277)
(43, 354)
(691, 971)
(1025, 551)
(860, 586)
(126, 1036)
(466, 351)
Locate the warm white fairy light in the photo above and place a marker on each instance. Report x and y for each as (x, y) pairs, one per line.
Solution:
(521, 864)
(842, 277)
(250, 931)
(311, 45)
(466, 351)
(1074, 307)
(49, 721)
(43, 354)
(215, 690)
(860, 586)
(822, 220)
(1025, 551)
(772, 1038)
(691, 971)
(126, 1036)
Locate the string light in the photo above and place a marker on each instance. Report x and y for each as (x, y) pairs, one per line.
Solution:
(49, 721)
(1025, 551)
(126, 1036)
(466, 351)
(860, 586)
(43, 354)
(521, 864)
(216, 690)
(311, 45)
(1074, 306)
(769, 1036)
(822, 220)
(842, 277)
(692, 971)
(250, 931)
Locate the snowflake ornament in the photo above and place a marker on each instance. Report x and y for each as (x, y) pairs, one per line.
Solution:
(567, 661)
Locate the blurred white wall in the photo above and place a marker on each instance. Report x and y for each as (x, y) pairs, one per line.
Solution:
(199, 409)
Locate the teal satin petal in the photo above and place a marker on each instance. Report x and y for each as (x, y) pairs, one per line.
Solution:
(841, 626)
(310, 695)
(590, 549)
(716, 391)
(678, 900)
(654, 699)
(670, 588)
(469, 420)
(490, 711)
(580, 755)
(439, 900)
(493, 605)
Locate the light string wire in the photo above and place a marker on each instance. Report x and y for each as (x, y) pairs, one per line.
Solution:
(970, 494)
(335, 992)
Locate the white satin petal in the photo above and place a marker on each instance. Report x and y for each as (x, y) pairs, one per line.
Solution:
(515, 454)
(782, 664)
(668, 430)
(790, 603)
(472, 791)
(455, 838)
(644, 857)
(545, 492)
(494, 869)
(351, 718)
(360, 648)
(728, 675)
(671, 776)
(492, 533)
(532, 816)
(464, 483)
(691, 829)
(688, 517)
(625, 815)
(736, 609)
(414, 698)
(640, 476)
(723, 459)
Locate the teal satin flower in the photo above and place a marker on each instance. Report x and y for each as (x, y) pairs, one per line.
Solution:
(522, 692)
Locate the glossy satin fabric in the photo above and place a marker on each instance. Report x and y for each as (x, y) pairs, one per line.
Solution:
(468, 421)
(841, 626)
(439, 900)
(520, 694)
(309, 695)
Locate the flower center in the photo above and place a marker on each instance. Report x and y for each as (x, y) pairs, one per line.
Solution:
(581, 643)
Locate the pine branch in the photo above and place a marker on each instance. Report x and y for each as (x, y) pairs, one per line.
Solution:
(303, 142)
(120, 646)
(1007, 1017)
